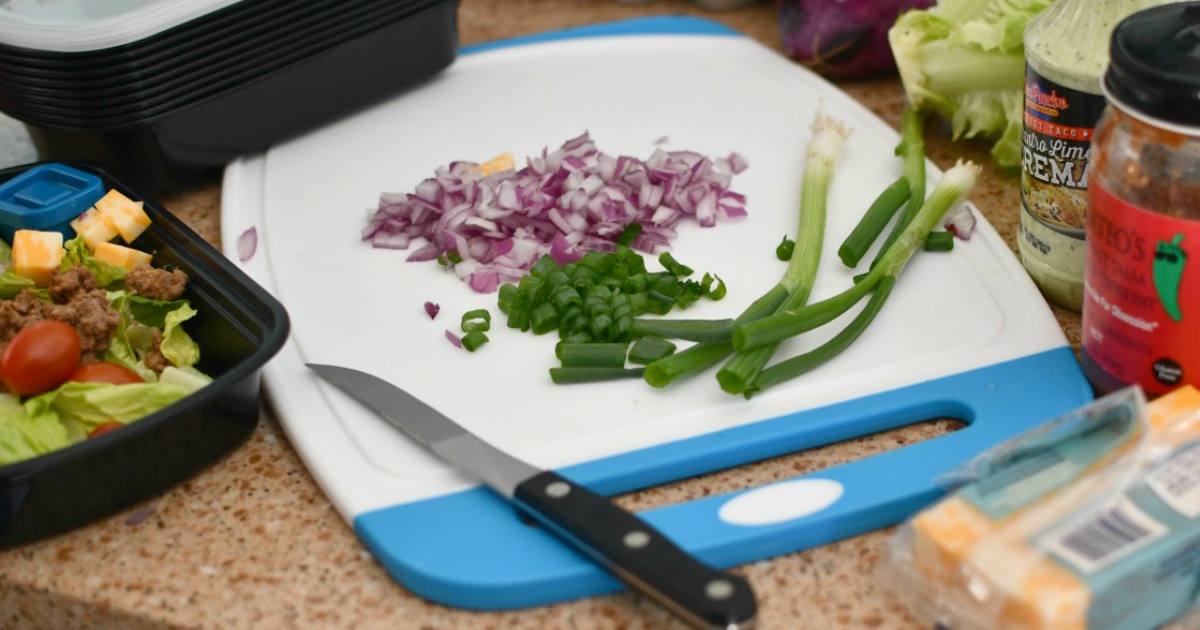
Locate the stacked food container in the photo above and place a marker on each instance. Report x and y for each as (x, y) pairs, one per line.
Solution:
(159, 91)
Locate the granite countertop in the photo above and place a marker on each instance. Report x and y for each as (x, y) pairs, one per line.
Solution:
(253, 542)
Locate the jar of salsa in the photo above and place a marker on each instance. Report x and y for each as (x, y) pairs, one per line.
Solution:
(1141, 307)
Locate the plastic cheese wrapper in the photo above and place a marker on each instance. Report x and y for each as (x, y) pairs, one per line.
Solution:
(1091, 521)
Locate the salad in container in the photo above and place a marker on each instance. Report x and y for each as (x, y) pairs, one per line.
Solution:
(129, 349)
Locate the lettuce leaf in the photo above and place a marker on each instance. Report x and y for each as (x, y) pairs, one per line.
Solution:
(177, 346)
(79, 253)
(11, 284)
(965, 61)
(139, 315)
(93, 404)
(23, 435)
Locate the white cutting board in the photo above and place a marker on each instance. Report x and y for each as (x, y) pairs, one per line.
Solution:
(965, 333)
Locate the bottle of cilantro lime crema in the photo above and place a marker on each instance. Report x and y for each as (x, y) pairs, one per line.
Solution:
(1066, 52)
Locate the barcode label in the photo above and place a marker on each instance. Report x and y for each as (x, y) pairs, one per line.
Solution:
(1177, 482)
(1106, 533)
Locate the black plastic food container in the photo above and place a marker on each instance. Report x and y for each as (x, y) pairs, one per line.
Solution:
(239, 328)
(161, 107)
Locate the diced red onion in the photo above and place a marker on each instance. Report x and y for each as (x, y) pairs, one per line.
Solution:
(961, 223)
(453, 338)
(140, 515)
(432, 309)
(561, 203)
(247, 244)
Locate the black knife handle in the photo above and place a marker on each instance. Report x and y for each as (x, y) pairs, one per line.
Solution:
(637, 553)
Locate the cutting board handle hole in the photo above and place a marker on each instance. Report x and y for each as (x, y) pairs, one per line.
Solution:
(789, 465)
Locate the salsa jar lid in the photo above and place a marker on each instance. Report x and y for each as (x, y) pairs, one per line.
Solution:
(1154, 63)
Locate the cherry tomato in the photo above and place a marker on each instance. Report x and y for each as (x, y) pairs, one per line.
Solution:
(40, 357)
(101, 429)
(104, 373)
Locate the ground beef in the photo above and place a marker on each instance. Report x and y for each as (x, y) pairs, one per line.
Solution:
(156, 284)
(75, 301)
(155, 359)
(93, 318)
(18, 313)
(67, 284)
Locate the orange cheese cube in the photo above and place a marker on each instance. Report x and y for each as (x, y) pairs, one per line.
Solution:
(497, 164)
(120, 255)
(128, 216)
(35, 254)
(95, 227)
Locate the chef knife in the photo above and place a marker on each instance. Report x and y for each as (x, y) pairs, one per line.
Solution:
(627, 546)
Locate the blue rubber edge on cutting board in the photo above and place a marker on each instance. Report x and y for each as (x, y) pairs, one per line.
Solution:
(468, 549)
(663, 25)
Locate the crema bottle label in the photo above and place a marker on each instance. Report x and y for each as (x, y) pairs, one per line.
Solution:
(1059, 122)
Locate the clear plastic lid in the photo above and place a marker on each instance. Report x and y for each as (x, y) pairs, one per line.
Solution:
(73, 26)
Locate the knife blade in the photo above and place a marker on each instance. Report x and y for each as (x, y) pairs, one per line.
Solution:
(627, 546)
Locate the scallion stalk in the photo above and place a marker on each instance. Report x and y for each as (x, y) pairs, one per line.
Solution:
(829, 137)
(662, 372)
(911, 149)
(954, 186)
(795, 366)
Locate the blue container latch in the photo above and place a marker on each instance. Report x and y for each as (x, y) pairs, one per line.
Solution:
(47, 198)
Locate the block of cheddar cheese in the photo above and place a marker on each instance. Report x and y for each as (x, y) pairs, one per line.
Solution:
(127, 215)
(94, 227)
(36, 254)
(121, 256)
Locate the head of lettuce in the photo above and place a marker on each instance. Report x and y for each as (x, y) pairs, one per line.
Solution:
(965, 61)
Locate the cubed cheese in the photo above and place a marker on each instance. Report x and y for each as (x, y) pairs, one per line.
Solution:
(128, 216)
(35, 254)
(497, 164)
(95, 227)
(120, 255)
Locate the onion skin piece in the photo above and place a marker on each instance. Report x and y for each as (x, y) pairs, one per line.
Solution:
(842, 40)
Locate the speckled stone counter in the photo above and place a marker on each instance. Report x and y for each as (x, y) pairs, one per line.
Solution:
(253, 543)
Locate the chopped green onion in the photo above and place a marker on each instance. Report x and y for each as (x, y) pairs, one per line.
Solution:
(543, 319)
(784, 250)
(576, 375)
(649, 349)
(611, 354)
(627, 235)
(686, 329)
(570, 339)
(939, 242)
(479, 319)
(473, 340)
(673, 266)
(871, 225)
(714, 294)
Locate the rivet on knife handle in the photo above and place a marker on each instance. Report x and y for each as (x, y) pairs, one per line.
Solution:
(638, 554)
